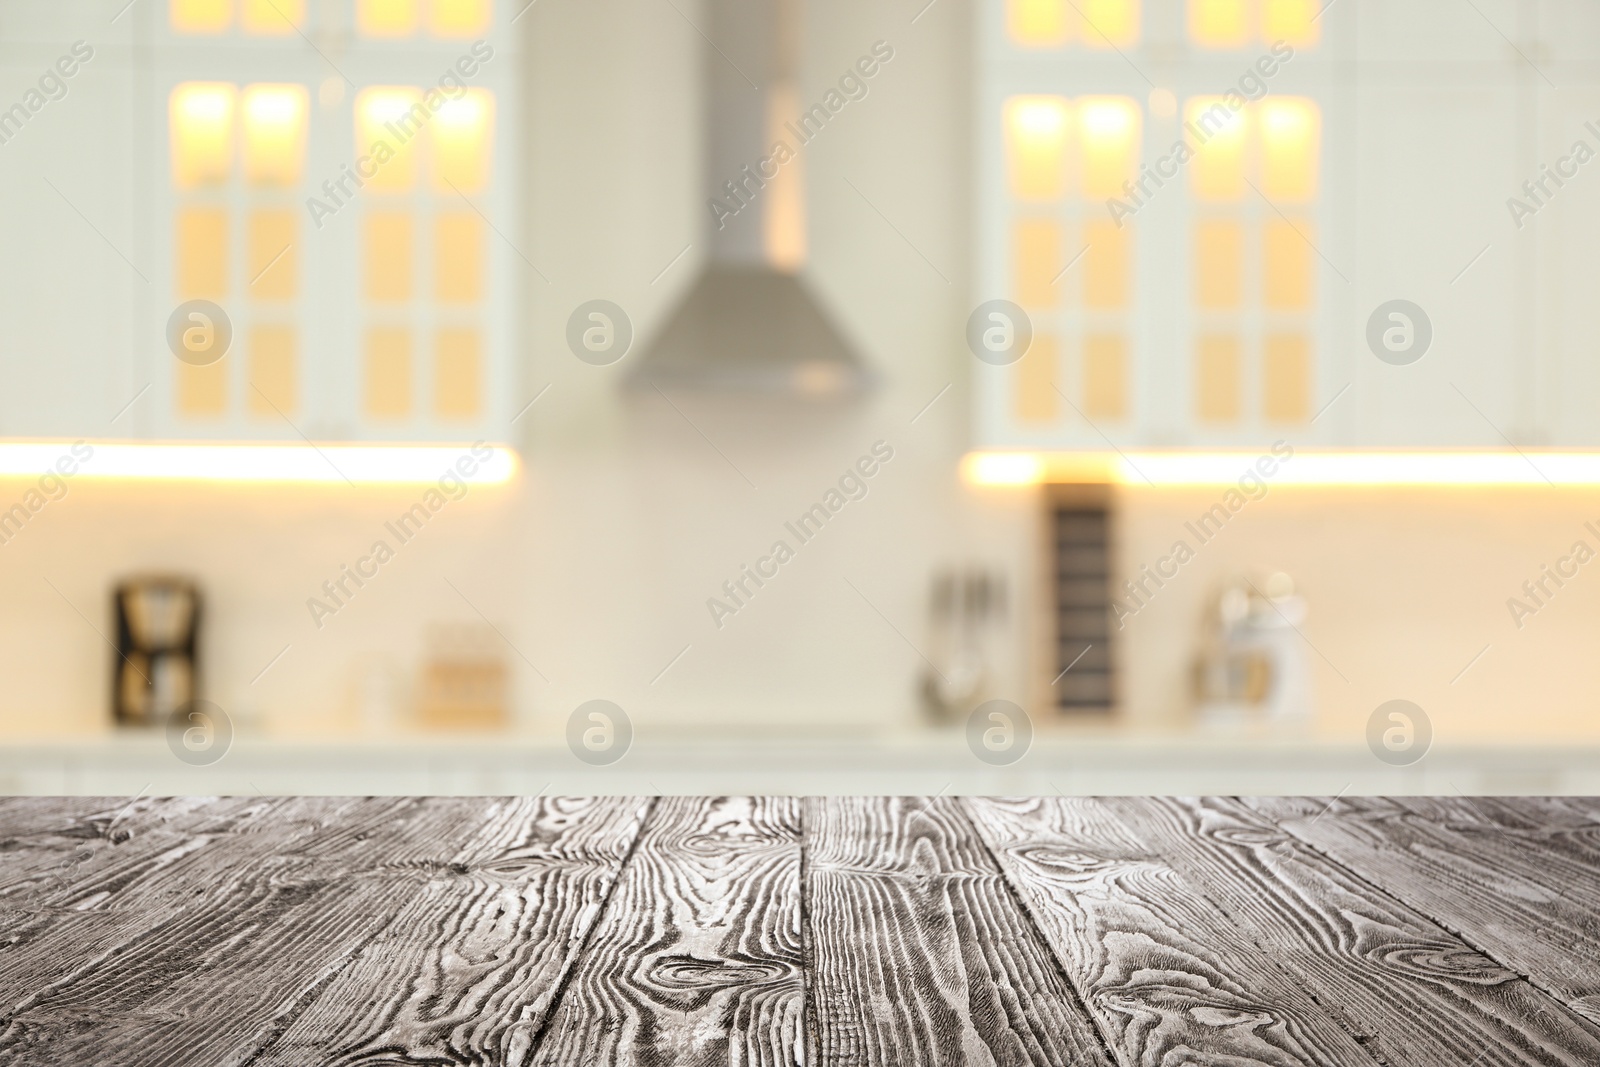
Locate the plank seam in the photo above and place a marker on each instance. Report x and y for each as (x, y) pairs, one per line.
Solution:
(1251, 935)
(1038, 932)
(1443, 923)
(808, 1019)
(303, 1002)
(560, 990)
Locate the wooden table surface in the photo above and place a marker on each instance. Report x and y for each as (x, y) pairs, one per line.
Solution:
(738, 932)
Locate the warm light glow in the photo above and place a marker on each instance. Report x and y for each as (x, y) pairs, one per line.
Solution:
(1220, 23)
(461, 135)
(459, 18)
(1444, 469)
(1036, 262)
(386, 18)
(1219, 264)
(1219, 136)
(1110, 135)
(273, 18)
(1291, 139)
(1038, 23)
(361, 464)
(1292, 21)
(386, 134)
(783, 217)
(201, 119)
(1036, 146)
(1003, 468)
(1109, 23)
(275, 133)
(200, 16)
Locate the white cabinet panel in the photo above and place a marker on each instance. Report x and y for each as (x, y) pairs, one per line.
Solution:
(1418, 32)
(1561, 244)
(73, 269)
(1434, 169)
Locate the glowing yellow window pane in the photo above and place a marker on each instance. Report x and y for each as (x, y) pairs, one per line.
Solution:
(1292, 21)
(1286, 267)
(1218, 264)
(389, 120)
(203, 391)
(273, 18)
(271, 256)
(1036, 146)
(1105, 376)
(1036, 260)
(462, 130)
(458, 18)
(1039, 23)
(388, 372)
(1220, 23)
(1036, 399)
(201, 119)
(1286, 378)
(202, 253)
(1109, 127)
(388, 257)
(200, 16)
(1109, 23)
(458, 258)
(1291, 142)
(271, 354)
(275, 133)
(458, 374)
(1217, 378)
(387, 18)
(1105, 265)
(1219, 137)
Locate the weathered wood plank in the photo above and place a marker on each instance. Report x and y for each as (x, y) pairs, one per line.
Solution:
(468, 970)
(264, 932)
(1501, 890)
(919, 952)
(123, 867)
(1418, 994)
(47, 842)
(200, 958)
(697, 957)
(1167, 977)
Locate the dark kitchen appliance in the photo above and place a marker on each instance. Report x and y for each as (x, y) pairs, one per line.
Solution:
(157, 667)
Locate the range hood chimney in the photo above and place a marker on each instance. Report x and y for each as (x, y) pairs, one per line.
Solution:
(750, 323)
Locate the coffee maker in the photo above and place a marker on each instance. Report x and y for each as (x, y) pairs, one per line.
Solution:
(156, 672)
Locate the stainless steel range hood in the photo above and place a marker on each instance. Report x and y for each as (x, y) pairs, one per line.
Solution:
(750, 323)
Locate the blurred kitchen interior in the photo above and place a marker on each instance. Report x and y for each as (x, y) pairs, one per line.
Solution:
(1408, 504)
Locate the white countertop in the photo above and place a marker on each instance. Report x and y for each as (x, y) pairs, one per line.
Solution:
(924, 762)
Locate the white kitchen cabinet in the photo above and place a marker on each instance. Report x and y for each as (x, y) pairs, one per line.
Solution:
(388, 316)
(1431, 117)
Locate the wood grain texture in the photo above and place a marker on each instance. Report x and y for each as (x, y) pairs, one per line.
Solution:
(1515, 894)
(468, 969)
(765, 932)
(214, 946)
(1415, 992)
(124, 868)
(46, 843)
(919, 952)
(1166, 976)
(697, 957)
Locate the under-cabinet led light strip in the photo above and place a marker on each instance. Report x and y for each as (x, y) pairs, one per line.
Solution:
(1303, 467)
(476, 464)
